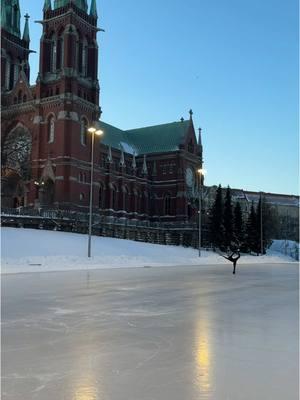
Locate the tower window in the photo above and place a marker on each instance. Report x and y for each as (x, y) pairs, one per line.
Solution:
(51, 129)
(83, 132)
(53, 59)
(15, 17)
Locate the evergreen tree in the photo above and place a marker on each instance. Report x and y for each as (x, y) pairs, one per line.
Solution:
(216, 219)
(228, 219)
(259, 225)
(238, 229)
(252, 238)
(267, 223)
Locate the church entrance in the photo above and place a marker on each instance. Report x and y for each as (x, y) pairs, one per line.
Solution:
(15, 167)
(46, 193)
(13, 190)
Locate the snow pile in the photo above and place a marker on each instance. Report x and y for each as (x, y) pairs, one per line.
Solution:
(286, 247)
(30, 250)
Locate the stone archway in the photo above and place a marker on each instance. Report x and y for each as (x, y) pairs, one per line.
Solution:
(13, 189)
(15, 167)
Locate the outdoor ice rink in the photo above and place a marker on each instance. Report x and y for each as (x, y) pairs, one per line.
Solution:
(172, 333)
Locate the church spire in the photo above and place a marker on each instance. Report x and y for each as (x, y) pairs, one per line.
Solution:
(47, 5)
(26, 36)
(93, 10)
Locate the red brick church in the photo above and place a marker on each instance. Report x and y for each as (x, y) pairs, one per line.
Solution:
(147, 174)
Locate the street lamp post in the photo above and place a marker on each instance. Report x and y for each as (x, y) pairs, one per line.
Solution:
(94, 132)
(201, 172)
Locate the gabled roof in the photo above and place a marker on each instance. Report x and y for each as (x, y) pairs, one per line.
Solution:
(151, 139)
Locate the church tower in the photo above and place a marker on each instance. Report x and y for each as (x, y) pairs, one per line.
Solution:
(67, 91)
(14, 48)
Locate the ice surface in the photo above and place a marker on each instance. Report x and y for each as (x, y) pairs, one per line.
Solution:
(180, 333)
(29, 250)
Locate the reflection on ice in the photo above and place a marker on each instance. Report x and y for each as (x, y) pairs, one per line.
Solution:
(86, 389)
(203, 357)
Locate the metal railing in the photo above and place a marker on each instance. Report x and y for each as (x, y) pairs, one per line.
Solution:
(82, 217)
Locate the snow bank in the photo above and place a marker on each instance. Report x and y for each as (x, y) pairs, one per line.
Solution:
(30, 250)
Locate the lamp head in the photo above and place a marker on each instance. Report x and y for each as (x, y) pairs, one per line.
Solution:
(201, 171)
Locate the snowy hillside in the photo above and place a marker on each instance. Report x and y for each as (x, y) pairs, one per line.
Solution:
(28, 250)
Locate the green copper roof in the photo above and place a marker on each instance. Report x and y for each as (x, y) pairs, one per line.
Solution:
(112, 136)
(93, 10)
(47, 5)
(152, 139)
(159, 138)
(26, 36)
(82, 4)
(10, 16)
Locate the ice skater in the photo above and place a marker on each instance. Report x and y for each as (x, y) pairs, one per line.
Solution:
(233, 258)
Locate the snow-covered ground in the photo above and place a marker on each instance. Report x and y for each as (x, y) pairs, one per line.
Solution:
(29, 250)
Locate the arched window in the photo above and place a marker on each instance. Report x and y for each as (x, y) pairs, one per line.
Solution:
(15, 17)
(7, 73)
(59, 52)
(83, 131)
(50, 129)
(126, 199)
(20, 96)
(24, 98)
(101, 196)
(191, 146)
(113, 198)
(167, 204)
(82, 56)
(53, 58)
(15, 69)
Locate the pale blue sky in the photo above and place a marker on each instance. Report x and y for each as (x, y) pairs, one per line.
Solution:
(235, 63)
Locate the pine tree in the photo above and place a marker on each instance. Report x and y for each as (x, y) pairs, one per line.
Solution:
(252, 237)
(216, 219)
(228, 219)
(267, 223)
(238, 229)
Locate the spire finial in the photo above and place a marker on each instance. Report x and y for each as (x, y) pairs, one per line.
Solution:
(133, 161)
(122, 159)
(145, 169)
(93, 11)
(26, 36)
(191, 114)
(47, 5)
(200, 137)
(109, 155)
